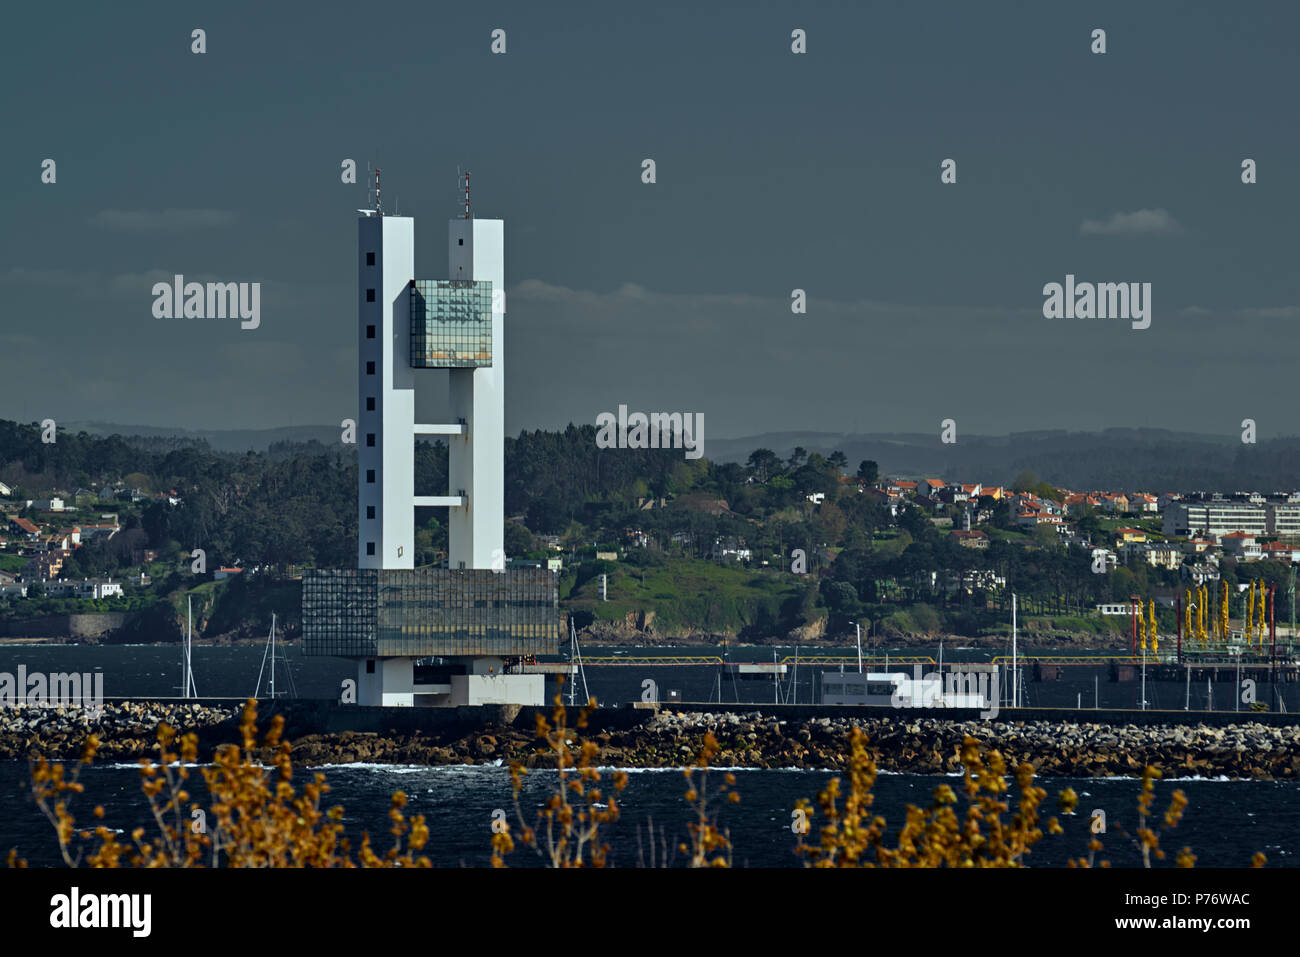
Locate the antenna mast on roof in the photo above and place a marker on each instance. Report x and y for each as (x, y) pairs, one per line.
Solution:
(467, 194)
(379, 206)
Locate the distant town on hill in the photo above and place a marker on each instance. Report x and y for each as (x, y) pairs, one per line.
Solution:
(761, 539)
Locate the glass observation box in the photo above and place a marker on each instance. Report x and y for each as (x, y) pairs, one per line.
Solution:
(451, 324)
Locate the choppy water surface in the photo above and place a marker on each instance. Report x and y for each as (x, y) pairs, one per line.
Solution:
(1226, 822)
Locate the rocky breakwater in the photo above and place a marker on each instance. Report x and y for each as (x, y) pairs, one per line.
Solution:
(922, 745)
(919, 746)
(127, 731)
(931, 745)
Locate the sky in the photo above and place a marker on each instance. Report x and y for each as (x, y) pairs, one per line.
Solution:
(775, 171)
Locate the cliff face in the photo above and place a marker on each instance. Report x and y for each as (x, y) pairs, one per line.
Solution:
(638, 628)
(75, 627)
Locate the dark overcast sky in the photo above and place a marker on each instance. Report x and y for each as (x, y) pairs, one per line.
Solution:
(775, 171)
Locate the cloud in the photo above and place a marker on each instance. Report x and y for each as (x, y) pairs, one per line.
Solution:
(631, 303)
(1143, 222)
(1269, 312)
(20, 339)
(161, 221)
(40, 277)
(750, 365)
(77, 281)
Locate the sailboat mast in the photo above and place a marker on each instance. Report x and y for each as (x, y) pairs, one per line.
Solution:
(184, 685)
(1015, 664)
(187, 678)
(577, 650)
(262, 670)
(272, 656)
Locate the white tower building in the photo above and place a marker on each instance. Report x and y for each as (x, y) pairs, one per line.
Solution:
(476, 625)
(390, 374)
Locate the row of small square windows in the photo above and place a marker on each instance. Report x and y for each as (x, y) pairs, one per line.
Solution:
(370, 407)
(370, 295)
(369, 436)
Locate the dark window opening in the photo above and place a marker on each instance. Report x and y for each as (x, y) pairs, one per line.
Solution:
(370, 368)
(370, 665)
(370, 403)
(370, 476)
(370, 548)
(370, 295)
(370, 511)
(370, 332)
(370, 259)
(370, 439)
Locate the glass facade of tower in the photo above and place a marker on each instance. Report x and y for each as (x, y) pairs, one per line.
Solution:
(451, 324)
(430, 612)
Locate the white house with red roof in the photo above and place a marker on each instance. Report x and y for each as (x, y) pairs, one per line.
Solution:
(1280, 551)
(1241, 545)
